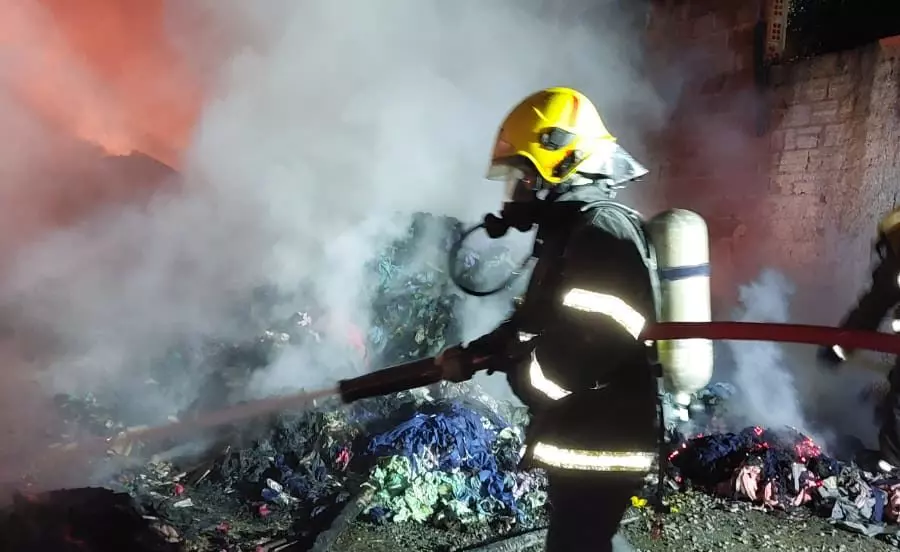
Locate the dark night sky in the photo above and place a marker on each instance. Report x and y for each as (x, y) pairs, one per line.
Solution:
(821, 26)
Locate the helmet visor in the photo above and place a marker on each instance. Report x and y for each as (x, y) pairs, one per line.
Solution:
(520, 178)
(503, 159)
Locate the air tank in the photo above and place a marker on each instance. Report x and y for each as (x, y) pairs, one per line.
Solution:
(681, 240)
(889, 227)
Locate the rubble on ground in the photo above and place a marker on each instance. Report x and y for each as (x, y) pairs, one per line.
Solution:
(441, 458)
(781, 471)
(452, 463)
(786, 471)
(429, 469)
(73, 520)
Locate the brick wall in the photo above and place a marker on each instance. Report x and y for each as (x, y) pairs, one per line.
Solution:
(791, 174)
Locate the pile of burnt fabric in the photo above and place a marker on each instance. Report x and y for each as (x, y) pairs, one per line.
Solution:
(287, 485)
(776, 468)
(443, 461)
(93, 519)
(414, 297)
(453, 463)
(786, 470)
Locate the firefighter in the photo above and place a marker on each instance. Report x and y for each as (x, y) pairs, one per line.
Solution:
(571, 350)
(882, 297)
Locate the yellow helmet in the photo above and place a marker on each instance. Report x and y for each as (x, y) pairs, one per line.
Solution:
(555, 130)
(889, 227)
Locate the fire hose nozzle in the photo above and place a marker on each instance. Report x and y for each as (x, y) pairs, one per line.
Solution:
(391, 380)
(403, 377)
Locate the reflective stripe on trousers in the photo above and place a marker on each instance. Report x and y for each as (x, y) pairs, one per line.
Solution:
(592, 460)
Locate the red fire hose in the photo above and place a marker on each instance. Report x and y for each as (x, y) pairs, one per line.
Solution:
(782, 333)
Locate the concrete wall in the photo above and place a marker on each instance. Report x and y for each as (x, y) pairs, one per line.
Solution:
(791, 173)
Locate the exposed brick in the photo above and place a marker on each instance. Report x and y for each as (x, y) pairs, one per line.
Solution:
(837, 135)
(823, 66)
(806, 184)
(790, 139)
(825, 112)
(813, 90)
(840, 87)
(797, 115)
(826, 160)
(793, 161)
(804, 252)
(776, 140)
(795, 184)
(779, 185)
(808, 141)
(773, 167)
(782, 233)
(802, 137)
(846, 108)
(811, 151)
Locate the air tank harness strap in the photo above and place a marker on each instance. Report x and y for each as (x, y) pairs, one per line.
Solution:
(649, 255)
(648, 252)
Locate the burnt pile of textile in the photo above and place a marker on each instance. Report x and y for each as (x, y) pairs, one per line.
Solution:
(417, 457)
(777, 468)
(446, 456)
(287, 484)
(452, 462)
(785, 470)
(93, 519)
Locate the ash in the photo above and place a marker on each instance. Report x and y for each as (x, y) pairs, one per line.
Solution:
(430, 469)
(444, 457)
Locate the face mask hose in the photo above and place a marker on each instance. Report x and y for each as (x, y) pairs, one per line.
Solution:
(495, 227)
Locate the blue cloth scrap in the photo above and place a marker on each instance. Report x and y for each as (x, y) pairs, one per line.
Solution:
(457, 437)
(878, 508)
(308, 482)
(709, 459)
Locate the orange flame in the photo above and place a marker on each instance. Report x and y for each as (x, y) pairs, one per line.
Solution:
(100, 70)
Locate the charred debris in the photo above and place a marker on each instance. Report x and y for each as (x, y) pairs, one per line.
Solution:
(445, 458)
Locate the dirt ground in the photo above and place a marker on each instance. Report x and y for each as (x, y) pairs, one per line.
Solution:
(701, 524)
(704, 524)
(366, 537)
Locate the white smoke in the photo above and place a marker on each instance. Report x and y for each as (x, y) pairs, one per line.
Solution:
(327, 124)
(785, 385)
(349, 114)
(768, 392)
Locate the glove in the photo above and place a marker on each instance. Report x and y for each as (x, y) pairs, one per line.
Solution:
(459, 364)
(830, 356)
